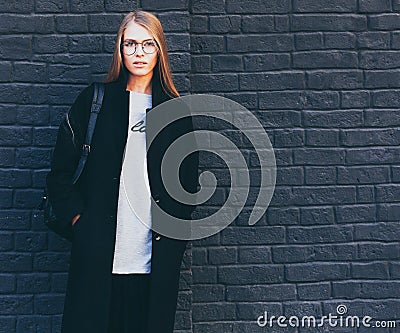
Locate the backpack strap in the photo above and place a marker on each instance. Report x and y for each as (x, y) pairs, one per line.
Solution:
(97, 101)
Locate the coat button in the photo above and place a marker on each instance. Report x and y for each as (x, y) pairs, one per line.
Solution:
(156, 198)
(157, 236)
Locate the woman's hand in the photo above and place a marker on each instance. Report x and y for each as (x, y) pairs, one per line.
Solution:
(76, 218)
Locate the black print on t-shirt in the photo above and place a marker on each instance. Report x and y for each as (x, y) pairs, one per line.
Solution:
(139, 127)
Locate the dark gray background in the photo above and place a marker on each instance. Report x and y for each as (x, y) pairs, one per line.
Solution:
(322, 77)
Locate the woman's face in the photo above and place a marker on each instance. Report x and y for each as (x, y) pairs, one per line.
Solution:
(139, 63)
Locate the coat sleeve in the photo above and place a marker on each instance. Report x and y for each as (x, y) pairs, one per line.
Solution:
(65, 198)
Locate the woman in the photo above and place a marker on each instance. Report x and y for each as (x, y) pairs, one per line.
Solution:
(123, 277)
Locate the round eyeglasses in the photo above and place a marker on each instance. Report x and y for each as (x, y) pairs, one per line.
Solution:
(129, 47)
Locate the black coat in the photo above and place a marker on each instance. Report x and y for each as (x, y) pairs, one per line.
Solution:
(95, 197)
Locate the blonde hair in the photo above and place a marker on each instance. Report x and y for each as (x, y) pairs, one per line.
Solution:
(153, 25)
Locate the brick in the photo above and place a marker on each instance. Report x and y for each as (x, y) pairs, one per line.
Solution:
(281, 292)
(309, 41)
(374, 270)
(262, 43)
(373, 40)
(223, 255)
(16, 47)
(198, 24)
(32, 115)
(50, 44)
(243, 275)
(318, 156)
(6, 241)
(16, 24)
(266, 62)
(335, 79)
(200, 64)
(33, 323)
(206, 7)
(15, 262)
(291, 254)
(340, 119)
(341, 40)
(212, 327)
(258, 23)
(257, 6)
(374, 137)
(50, 6)
(208, 293)
(355, 99)
(12, 305)
(30, 241)
(388, 212)
(322, 137)
(10, 136)
(303, 309)
(221, 82)
(5, 198)
(247, 100)
(289, 176)
(316, 215)
(7, 324)
(82, 6)
(378, 231)
(372, 156)
(67, 74)
(246, 311)
(7, 283)
(7, 114)
(386, 98)
(30, 72)
(272, 81)
(314, 291)
(370, 290)
(384, 21)
(363, 175)
(370, 6)
(24, 6)
(329, 22)
(283, 216)
(225, 24)
(380, 59)
(355, 213)
(85, 44)
(72, 23)
(206, 44)
(325, 59)
(252, 236)
(381, 118)
(317, 272)
(394, 269)
(374, 251)
(204, 274)
(175, 22)
(33, 283)
(225, 63)
(319, 234)
(320, 175)
(282, 23)
(14, 220)
(213, 312)
(51, 262)
(256, 255)
(323, 6)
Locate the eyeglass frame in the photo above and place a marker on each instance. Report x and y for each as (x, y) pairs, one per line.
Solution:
(141, 45)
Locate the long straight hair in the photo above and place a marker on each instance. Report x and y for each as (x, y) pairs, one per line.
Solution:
(153, 25)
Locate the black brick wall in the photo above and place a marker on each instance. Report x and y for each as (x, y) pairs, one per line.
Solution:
(321, 76)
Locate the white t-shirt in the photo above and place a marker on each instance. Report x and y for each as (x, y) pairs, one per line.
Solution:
(134, 237)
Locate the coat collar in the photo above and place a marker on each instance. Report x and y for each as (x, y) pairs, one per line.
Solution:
(159, 95)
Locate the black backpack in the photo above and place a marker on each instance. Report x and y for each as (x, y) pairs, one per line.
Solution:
(50, 220)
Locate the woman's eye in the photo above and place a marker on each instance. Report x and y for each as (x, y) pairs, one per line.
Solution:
(129, 44)
(149, 44)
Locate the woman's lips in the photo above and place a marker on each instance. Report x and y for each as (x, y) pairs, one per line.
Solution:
(139, 63)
